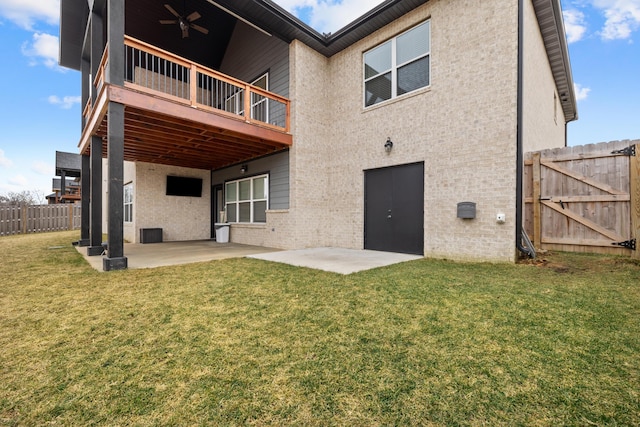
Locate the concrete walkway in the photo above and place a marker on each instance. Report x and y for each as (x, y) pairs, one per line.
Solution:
(336, 260)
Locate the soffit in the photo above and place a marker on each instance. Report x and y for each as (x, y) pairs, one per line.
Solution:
(549, 14)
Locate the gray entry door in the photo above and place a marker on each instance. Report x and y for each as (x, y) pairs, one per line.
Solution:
(394, 209)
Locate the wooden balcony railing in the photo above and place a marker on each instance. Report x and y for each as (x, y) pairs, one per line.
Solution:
(160, 73)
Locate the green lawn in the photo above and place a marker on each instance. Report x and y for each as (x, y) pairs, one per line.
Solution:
(242, 341)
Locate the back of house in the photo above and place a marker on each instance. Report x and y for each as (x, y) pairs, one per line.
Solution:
(402, 131)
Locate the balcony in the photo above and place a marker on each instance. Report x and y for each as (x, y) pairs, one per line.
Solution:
(180, 113)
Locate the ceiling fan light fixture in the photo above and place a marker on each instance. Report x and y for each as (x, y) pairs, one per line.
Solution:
(185, 22)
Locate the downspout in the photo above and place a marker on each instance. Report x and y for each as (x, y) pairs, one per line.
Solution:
(519, 141)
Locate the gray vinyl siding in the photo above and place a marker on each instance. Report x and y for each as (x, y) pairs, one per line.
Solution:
(250, 54)
(276, 166)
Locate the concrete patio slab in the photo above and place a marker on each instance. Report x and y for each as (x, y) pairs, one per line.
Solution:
(336, 260)
(152, 255)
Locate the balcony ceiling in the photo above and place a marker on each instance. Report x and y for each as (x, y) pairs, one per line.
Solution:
(142, 23)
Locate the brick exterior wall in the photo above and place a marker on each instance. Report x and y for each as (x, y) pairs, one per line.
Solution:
(463, 127)
(181, 218)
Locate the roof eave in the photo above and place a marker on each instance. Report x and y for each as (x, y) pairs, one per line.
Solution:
(549, 15)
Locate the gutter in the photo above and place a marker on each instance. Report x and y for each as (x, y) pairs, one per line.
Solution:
(519, 135)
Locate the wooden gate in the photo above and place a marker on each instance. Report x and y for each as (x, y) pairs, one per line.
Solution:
(584, 199)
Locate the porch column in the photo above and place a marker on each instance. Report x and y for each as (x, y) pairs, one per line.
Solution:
(95, 220)
(85, 192)
(63, 184)
(115, 259)
(95, 162)
(85, 171)
(86, 74)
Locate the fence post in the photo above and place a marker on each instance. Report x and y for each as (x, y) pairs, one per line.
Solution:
(634, 191)
(23, 219)
(70, 216)
(537, 225)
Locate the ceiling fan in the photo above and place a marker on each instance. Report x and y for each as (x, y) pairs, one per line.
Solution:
(185, 22)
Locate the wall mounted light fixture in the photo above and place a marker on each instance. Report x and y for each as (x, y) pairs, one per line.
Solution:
(388, 145)
(244, 168)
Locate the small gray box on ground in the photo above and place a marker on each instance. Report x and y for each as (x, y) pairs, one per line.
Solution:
(151, 235)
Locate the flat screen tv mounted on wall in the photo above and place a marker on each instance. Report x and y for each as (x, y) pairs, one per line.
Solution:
(184, 186)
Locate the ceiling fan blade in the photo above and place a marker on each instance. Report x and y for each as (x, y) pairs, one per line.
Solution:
(193, 17)
(172, 10)
(199, 28)
(185, 32)
(168, 21)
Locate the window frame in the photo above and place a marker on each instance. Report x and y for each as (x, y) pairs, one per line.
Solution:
(127, 211)
(252, 200)
(395, 66)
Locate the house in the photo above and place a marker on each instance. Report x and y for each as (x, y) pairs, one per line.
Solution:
(68, 165)
(402, 131)
(70, 195)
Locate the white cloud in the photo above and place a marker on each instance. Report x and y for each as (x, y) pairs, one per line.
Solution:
(43, 168)
(42, 48)
(574, 25)
(329, 15)
(65, 102)
(19, 181)
(622, 18)
(581, 92)
(26, 12)
(4, 161)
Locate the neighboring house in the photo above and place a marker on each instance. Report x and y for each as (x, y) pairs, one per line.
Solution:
(370, 137)
(70, 195)
(67, 188)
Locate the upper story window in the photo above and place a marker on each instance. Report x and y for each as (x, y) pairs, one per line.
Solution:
(398, 66)
(246, 200)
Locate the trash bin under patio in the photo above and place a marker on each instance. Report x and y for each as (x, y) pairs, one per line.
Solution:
(222, 232)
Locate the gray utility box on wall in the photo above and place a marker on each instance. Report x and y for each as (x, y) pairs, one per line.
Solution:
(466, 210)
(151, 235)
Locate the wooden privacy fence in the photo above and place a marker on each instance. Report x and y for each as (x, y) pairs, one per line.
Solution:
(38, 218)
(585, 198)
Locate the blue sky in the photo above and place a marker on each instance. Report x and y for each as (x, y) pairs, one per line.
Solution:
(41, 101)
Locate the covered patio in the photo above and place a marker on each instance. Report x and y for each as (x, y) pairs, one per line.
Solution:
(151, 97)
(141, 255)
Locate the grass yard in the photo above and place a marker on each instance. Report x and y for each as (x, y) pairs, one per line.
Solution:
(430, 342)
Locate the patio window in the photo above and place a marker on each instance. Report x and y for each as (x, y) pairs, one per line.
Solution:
(128, 202)
(246, 200)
